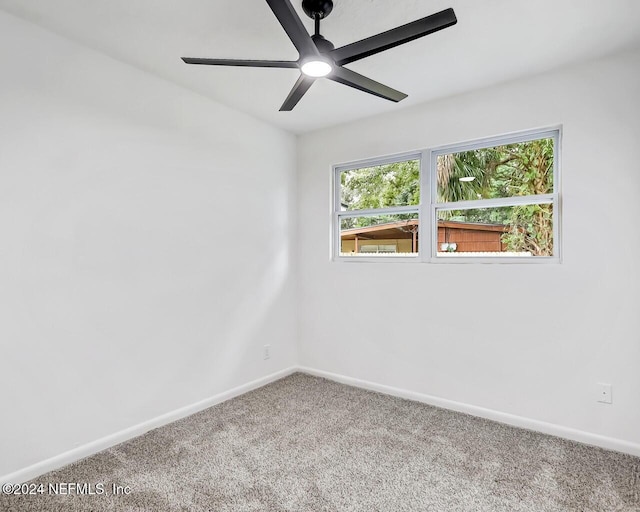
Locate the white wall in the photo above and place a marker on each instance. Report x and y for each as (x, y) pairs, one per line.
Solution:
(526, 340)
(145, 246)
(121, 195)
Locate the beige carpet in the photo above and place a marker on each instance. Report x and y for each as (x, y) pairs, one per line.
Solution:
(307, 444)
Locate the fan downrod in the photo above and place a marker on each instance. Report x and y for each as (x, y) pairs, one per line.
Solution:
(317, 8)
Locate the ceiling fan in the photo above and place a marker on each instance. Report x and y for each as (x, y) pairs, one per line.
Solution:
(319, 58)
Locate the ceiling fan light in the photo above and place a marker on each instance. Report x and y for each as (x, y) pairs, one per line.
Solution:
(316, 68)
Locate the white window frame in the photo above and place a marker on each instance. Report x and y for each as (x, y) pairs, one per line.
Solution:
(428, 209)
(338, 214)
(489, 142)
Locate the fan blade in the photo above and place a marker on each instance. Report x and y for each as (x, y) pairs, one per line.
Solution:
(352, 79)
(292, 25)
(296, 94)
(247, 63)
(394, 37)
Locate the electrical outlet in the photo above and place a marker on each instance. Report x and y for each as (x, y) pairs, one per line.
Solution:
(267, 351)
(604, 393)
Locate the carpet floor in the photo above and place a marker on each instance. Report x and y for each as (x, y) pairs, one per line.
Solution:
(308, 444)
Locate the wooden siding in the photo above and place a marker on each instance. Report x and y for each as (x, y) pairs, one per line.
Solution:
(468, 237)
(471, 239)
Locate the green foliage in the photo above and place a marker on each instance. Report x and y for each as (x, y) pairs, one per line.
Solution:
(520, 169)
(531, 229)
(382, 186)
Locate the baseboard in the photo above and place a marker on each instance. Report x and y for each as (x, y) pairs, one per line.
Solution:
(572, 434)
(99, 445)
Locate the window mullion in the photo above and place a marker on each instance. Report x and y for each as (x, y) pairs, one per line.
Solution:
(424, 216)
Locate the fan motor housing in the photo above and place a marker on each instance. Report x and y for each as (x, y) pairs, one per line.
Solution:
(323, 45)
(319, 8)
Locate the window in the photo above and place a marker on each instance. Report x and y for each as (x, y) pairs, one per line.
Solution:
(377, 208)
(496, 198)
(493, 200)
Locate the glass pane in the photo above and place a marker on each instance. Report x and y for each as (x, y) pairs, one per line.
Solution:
(524, 230)
(521, 169)
(380, 235)
(396, 184)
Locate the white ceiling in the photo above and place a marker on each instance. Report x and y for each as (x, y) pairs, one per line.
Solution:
(494, 41)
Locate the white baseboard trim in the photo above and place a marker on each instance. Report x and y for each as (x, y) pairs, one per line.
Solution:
(99, 445)
(572, 434)
(81, 452)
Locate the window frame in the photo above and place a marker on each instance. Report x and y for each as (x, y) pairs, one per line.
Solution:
(428, 208)
(488, 142)
(338, 214)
